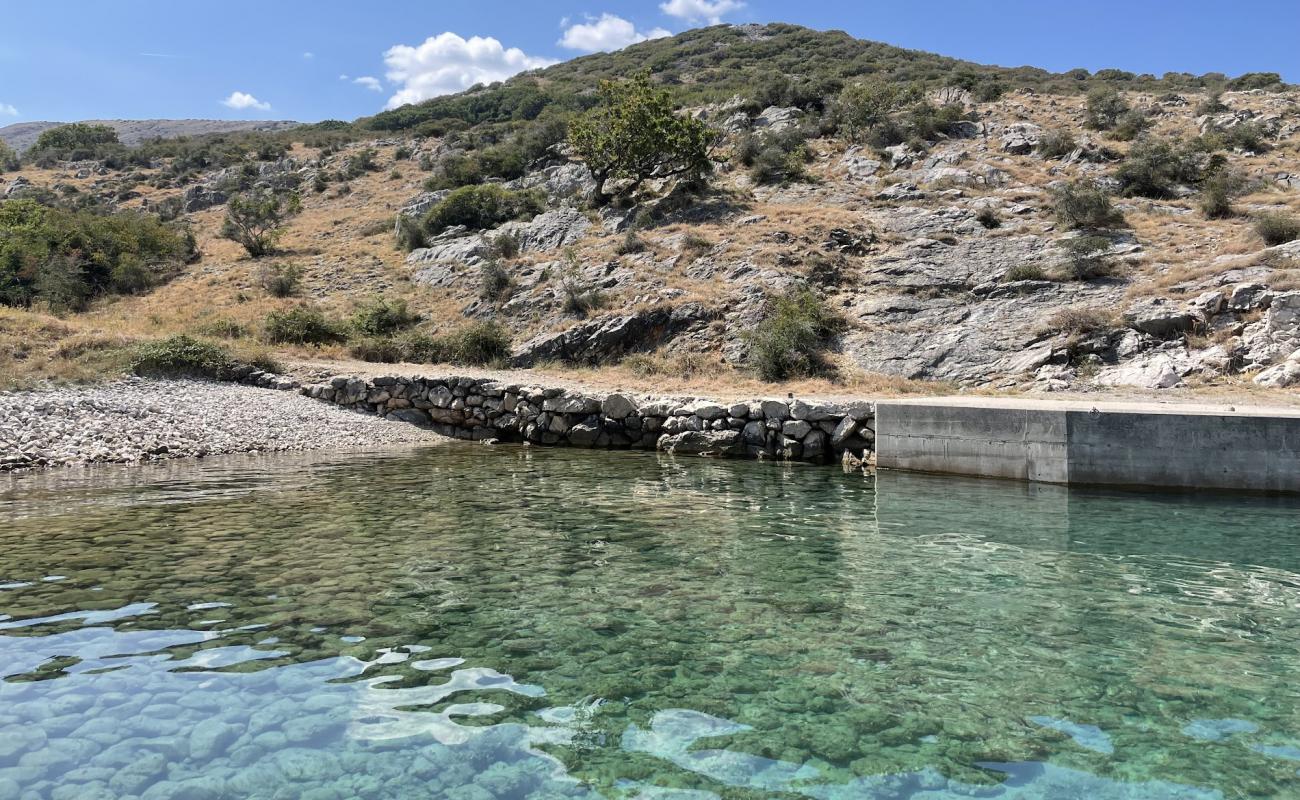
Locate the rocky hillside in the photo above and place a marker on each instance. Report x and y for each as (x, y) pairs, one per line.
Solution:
(952, 256)
(22, 135)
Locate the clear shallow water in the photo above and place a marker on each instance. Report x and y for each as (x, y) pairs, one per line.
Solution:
(472, 622)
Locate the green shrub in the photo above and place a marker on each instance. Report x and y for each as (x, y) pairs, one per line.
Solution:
(1248, 136)
(790, 339)
(382, 317)
(1056, 143)
(76, 142)
(361, 162)
(1024, 272)
(1130, 125)
(494, 280)
(182, 357)
(280, 280)
(631, 243)
(1104, 107)
(130, 275)
(1218, 191)
(478, 344)
(302, 325)
(988, 217)
(410, 234)
(66, 257)
(779, 157)
(1268, 81)
(864, 109)
(222, 329)
(1085, 258)
(580, 299)
(930, 122)
(1212, 104)
(9, 160)
(257, 219)
(480, 207)
(504, 245)
(1277, 229)
(1081, 205)
(1155, 168)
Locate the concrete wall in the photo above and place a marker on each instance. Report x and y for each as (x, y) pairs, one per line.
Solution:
(1259, 453)
(1021, 444)
(1157, 447)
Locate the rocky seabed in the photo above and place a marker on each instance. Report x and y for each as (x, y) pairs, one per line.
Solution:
(489, 410)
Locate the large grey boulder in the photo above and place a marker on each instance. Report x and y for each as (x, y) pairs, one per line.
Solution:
(1021, 138)
(777, 119)
(1151, 371)
(702, 442)
(1281, 376)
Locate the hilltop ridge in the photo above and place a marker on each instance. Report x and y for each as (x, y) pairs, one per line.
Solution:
(22, 135)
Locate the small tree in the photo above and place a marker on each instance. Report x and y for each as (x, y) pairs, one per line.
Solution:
(863, 107)
(636, 134)
(1105, 107)
(8, 159)
(77, 136)
(1081, 205)
(256, 219)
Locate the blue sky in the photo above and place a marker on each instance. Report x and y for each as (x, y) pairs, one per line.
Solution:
(292, 59)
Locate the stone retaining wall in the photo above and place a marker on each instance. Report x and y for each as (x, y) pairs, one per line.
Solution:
(485, 409)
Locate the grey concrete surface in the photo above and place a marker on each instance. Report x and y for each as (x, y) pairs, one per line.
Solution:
(1123, 444)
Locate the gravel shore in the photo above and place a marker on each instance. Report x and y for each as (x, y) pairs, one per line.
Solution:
(142, 420)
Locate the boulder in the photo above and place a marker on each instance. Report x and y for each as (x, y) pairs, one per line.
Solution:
(1159, 317)
(618, 406)
(702, 442)
(1154, 371)
(197, 198)
(1281, 376)
(1021, 138)
(777, 119)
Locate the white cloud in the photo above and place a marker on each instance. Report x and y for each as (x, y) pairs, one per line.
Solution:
(370, 83)
(308, 56)
(7, 110)
(710, 11)
(242, 101)
(448, 63)
(607, 33)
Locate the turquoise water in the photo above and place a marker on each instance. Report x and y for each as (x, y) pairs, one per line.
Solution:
(474, 622)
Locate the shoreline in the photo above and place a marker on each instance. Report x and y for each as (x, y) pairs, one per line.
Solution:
(135, 421)
(1068, 441)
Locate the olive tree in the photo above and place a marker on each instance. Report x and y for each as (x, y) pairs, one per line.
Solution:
(636, 134)
(256, 219)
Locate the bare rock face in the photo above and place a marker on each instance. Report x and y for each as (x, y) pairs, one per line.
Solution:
(607, 338)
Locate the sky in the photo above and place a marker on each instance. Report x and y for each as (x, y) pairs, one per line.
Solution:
(329, 59)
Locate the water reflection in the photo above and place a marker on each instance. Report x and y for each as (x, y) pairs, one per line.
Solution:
(477, 622)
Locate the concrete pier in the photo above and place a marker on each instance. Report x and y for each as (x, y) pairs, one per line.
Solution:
(1123, 444)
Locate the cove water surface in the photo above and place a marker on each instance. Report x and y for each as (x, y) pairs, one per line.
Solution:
(471, 622)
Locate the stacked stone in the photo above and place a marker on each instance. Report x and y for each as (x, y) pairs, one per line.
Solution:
(486, 409)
